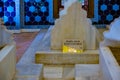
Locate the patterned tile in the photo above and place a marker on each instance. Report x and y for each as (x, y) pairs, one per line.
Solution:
(9, 12)
(108, 10)
(36, 12)
(1, 9)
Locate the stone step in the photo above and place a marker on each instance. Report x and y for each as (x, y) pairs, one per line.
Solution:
(59, 58)
(29, 72)
(58, 72)
(87, 72)
(58, 79)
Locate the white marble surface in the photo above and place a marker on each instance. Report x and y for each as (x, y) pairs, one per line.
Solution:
(114, 32)
(73, 24)
(52, 72)
(58, 72)
(5, 35)
(109, 67)
(29, 72)
(112, 36)
(87, 72)
(0, 37)
(7, 62)
(7, 54)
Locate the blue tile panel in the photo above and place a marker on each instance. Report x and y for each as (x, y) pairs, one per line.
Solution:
(108, 10)
(36, 12)
(1, 9)
(9, 12)
(95, 19)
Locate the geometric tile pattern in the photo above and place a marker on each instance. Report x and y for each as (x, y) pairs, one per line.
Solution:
(36, 12)
(1, 9)
(9, 12)
(108, 10)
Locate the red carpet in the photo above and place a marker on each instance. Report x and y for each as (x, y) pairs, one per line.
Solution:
(23, 40)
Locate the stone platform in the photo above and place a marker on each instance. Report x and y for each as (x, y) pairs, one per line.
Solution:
(87, 72)
(29, 72)
(62, 66)
(7, 53)
(109, 65)
(87, 57)
(72, 72)
(7, 62)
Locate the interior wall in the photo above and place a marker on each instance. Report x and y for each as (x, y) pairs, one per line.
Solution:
(36, 12)
(9, 13)
(1, 9)
(26, 14)
(14, 13)
(106, 11)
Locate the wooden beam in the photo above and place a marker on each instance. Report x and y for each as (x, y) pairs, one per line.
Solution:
(90, 12)
(56, 8)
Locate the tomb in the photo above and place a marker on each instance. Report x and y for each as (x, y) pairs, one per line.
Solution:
(5, 35)
(51, 63)
(66, 51)
(110, 52)
(111, 37)
(7, 54)
(73, 25)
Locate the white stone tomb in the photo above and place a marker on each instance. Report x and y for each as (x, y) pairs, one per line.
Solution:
(112, 36)
(7, 54)
(73, 24)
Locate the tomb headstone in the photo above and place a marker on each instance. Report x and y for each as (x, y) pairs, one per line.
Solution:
(112, 36)
(73, 24)
(5, 35)
(1, 33)
(109, 52)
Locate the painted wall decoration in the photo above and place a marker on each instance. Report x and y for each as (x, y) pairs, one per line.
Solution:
(108, 10)
(9, 12)
(36, 12)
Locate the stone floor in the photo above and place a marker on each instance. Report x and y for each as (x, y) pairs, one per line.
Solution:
(26, 69)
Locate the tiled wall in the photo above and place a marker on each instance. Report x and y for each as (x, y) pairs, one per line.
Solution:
(40, 12)
(1, 9)
(31, 12)
(37, 12)
(108, 10)
(9, 12)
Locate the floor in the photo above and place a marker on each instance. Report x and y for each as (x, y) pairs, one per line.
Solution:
(23, 41)
(26, 69)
